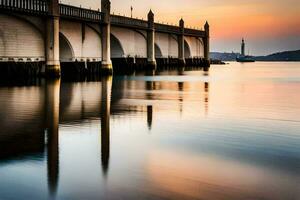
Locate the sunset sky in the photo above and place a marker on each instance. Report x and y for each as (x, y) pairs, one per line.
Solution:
(268, 26)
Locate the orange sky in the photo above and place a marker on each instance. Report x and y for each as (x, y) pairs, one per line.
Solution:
(268, 26)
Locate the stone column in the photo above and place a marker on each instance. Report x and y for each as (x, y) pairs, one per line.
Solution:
(106, 60)
(150, 41)
(206, 42)
(181, 59)
(52, 41)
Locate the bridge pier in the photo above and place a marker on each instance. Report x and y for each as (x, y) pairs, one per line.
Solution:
(181, 58)
(206, 43)
(52, 41)
(150, 42)
(107, 68)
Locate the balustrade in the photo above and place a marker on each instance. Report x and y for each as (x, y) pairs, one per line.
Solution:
(167, 28)
(80, 13)
(32, 6)
(189, 31)
(127, 21)
(67, 11)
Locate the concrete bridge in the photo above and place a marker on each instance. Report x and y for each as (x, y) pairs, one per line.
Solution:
(51, 35)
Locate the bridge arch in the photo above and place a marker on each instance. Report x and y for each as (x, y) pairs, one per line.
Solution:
(141, 33)
(196, 46)
(116, 48)
(168, 44)
(91, 26)
(173, 46)
(32, 21)
(91, 44)
(20, 38)
(158, 53)
(187, 50)
(133, 42)
(85, 41)
(66, 52)
(200, 47)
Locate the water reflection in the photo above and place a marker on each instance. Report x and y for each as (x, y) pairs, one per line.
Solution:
(90, 140)
(52, 97)
(20, 140)
(180, 98)
(150, 86)
(206, 97)
(149, 116)
(105, 122)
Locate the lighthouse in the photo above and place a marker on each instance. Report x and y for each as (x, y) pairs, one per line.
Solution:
(243, 57)
(243, 47)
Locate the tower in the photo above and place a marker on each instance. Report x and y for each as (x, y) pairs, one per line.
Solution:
(206, 42)
(243, 47)
(105, 29)
(52, 41)
(181, 58)
(151, 41)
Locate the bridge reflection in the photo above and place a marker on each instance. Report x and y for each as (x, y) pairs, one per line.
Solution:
(105, 123)
(52, 96)
(31, 131)
(21, 123)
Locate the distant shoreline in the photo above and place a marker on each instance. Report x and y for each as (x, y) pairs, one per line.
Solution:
(256, 61)
(286, 56)
(218, 62)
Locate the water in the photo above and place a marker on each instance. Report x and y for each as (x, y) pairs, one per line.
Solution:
(231, 133)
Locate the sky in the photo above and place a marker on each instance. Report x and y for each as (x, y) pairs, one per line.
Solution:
(267, 25)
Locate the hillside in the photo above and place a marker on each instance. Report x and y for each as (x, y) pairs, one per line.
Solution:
(223, 56)
(280, 56)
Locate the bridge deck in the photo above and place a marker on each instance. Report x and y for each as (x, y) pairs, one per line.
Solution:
(41, 7)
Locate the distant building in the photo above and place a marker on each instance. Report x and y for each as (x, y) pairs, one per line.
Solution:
(243, 47)
(244, 57)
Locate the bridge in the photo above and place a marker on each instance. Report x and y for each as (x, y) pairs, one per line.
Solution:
(50, 35)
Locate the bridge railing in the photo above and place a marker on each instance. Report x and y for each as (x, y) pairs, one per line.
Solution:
(31, 6)
(196, 32)
(127, 21)
(80, 13)
(167, 28)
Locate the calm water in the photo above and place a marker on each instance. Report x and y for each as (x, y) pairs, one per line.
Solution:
(232, 133)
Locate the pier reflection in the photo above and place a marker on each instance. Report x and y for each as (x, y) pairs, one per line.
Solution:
(150, 86)
(149, 116)
(105, 122)
(32, 116)
(206, 97)
(164, 136)
(52, 99)
(180, 96)
(21, 123)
